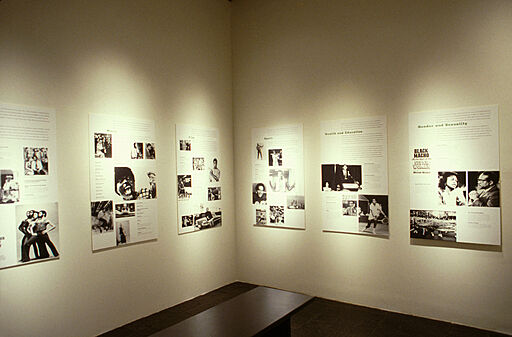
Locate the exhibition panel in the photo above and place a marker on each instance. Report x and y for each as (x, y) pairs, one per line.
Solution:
(123, 180)
(455, 175)
(278, 177)
(29, 217)
(198, 178)
(355, 176)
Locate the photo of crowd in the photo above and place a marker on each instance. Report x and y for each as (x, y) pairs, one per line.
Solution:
(295, 202)
(433, 225)
(103, 145)
(276, 215)
(125, 210)
(35, 160)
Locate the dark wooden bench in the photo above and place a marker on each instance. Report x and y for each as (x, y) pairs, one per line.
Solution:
(258, 312)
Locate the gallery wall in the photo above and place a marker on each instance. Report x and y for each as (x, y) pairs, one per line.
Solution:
(169, 62)
(308, 61)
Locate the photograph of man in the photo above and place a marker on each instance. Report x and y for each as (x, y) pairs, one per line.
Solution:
(103, 145)
(259, 151)
(259, 194)
(275, 157)
(124, 183)
(149, 192)
(24, 226)
(484, 189)
(10, 190)
(372, 214)
(452, 188)
(349, 207)
(347, 177)
(137, 151)
(123, 232)
(214, 172)
(150, 151)
(184, 186)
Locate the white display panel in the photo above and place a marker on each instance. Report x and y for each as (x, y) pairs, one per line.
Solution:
(199, 177)
(123, 180)
(355, 176)
(454, 175)
(278, 177)
(29, 218)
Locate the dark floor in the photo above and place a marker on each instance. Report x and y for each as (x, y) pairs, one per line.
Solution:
(320, 317)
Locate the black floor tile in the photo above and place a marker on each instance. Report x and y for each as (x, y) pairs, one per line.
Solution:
(318, 318)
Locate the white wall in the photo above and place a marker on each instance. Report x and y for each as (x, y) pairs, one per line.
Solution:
(300, 61)
(169, 61)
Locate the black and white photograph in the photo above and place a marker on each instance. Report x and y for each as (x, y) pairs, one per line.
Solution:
(214, 171)
(35, 160)
(433, 225)
(38, 232)
(276, 214)
(122, 232)
(259, 194)
(137, 151)
(101, 216)
(484, 188)
(185, 145)
(198, 164)
(125, 210)
(10, 188)
(102, 145)
(150, 151)
(373, 214)
(125, 184)
(341, 177)
(281, 180)
(452, 188)
(184, 186)
(208, 219)
(187, 221)
(349, 207)
(259, 151)
(261, 217)
(275, 157)
(213, 193)
(295, 202)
